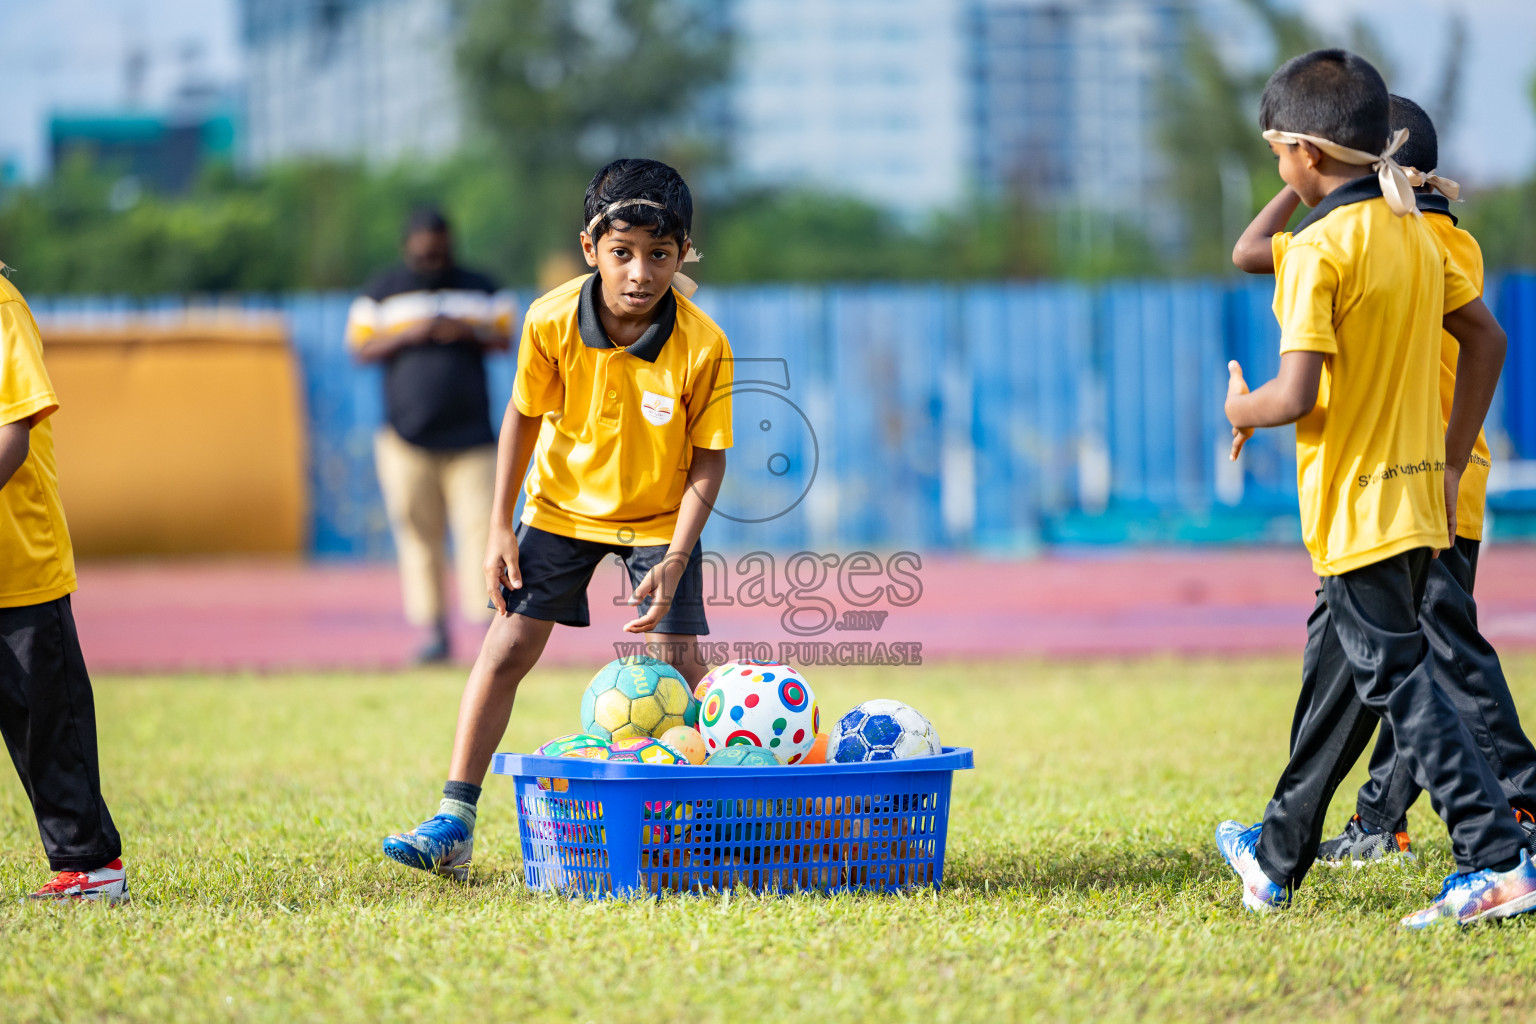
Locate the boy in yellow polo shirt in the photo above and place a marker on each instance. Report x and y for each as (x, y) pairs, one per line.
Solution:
(1466, 665)
(47, 713)
(1362, 292)
(621, 403)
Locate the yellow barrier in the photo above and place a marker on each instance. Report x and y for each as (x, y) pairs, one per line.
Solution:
(179, 437)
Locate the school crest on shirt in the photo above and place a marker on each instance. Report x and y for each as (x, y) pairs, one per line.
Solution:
(657, 409)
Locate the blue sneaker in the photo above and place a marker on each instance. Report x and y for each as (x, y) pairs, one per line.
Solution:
(1237, 843)
(442, 844)
(1480, 896)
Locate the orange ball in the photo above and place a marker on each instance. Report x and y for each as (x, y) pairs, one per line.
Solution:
(685, 739)
(818, 752)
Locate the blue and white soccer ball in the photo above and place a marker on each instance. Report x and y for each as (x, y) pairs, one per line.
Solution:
(881, 730)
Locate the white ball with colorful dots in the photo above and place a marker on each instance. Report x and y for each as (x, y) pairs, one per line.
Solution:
(761, 704)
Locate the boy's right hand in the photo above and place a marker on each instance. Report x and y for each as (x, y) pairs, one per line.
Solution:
(501, 567)
(1236, 385)
(1452, 495)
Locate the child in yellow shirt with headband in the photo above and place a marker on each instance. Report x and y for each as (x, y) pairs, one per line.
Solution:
(1362, 292)
(1467, 667)
(622, 407)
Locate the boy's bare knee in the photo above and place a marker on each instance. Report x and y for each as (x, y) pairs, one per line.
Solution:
(511, 661)
(512, 647)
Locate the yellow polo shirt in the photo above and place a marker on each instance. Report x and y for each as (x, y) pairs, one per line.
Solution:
(620, 425)
(1368, 289)
(1468, 256)
(37, 563)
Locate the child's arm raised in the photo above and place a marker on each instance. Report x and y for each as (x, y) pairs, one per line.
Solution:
(1254, 252)
(519, 435)
(1483, 343)
(1286, 399)
(705, 473)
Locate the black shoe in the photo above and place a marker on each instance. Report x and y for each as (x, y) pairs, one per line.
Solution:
(1359, 846)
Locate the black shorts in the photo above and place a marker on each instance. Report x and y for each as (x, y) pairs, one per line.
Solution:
(556, 571)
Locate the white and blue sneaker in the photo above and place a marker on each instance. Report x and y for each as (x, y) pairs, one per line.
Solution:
(1481, 896)
(442, 845)
(1237, 843)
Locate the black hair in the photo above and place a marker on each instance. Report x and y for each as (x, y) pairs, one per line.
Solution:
(426, 218)
(1332, 94)
(1422, 150)
(640, 179)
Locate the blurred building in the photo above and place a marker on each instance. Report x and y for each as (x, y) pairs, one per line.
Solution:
(912, 104)
(916, 103)
(349, 78)
(10, 169)
(160, 146)
(868, 97)
(161, 151)
(1066, 101)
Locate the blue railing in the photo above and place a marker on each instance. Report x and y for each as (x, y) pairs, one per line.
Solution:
(985, 417)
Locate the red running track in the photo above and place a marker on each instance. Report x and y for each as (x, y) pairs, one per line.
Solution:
(270, 616)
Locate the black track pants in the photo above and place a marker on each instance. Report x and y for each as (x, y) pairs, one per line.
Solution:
(1468, 670)
(48, 718)
(1369, 618)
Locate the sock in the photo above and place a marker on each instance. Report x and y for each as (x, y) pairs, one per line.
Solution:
(459, 799)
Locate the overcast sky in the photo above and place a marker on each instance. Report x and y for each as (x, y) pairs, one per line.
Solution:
(70, 53)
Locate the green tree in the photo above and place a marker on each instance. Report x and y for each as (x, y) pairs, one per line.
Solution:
(1221, 170)
(562, 86)
(300, 226)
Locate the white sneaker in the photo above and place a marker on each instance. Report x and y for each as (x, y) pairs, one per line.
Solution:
(109, 884)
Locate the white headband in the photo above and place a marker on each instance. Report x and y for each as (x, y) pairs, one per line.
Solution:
(608, 211)
(612, 208)
(1395, 186)
(1445, 186)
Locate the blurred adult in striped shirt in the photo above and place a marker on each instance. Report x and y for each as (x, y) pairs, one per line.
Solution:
(430, 322)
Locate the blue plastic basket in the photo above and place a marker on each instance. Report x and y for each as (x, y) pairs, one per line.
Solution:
(597, 828)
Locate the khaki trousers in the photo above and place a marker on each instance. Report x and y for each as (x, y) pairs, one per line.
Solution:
(426, 492)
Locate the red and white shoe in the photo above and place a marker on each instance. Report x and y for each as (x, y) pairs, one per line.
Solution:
(108, 884)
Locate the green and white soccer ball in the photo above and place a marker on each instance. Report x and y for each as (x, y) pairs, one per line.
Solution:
(742, 755)
(635, 697)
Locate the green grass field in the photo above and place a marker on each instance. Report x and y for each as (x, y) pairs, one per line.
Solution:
(1081, 879)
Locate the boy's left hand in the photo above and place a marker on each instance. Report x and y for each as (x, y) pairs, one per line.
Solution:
(659, 585)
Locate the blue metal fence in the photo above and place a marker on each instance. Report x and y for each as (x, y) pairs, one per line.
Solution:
(985, 417)
(1516, 309)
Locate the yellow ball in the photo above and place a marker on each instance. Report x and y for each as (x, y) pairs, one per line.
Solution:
(645, 715)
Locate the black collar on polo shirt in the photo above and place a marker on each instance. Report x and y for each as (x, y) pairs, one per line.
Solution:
(1434, 202)
(649, 344)
(1357, 191)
